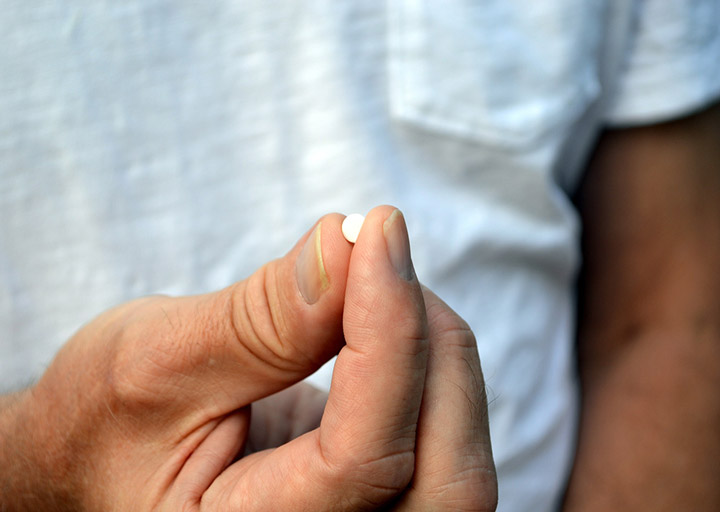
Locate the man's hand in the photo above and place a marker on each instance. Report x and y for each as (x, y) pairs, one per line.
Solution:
(148, 407)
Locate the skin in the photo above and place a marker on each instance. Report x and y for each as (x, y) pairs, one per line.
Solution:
(649, 321)
(192, 404)
(103, 423)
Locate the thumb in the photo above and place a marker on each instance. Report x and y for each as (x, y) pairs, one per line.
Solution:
(227, 349)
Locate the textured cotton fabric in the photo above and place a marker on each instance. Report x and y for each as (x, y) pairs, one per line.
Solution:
(173, 146)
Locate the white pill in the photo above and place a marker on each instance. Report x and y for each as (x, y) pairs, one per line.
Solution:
(351, 227)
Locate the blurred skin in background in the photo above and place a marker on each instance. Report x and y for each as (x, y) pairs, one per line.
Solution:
(166, 148)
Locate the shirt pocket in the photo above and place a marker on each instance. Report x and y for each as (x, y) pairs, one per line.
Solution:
(495, 71)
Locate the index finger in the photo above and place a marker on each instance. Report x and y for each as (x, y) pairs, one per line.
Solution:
(454, 464)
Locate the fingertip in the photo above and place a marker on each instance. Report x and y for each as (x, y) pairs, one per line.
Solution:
(375, 217)
(321, 260)
(318, 265)
(335, 253)
(382, 239)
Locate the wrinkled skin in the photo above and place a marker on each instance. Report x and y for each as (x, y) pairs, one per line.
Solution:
(192, 403)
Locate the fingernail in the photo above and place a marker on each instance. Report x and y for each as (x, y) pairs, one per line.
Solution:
(396, 238)
(310, 272)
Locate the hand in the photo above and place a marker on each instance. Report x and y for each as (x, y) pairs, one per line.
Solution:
(148, 407)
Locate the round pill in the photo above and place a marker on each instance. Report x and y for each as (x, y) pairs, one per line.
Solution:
(351, 226)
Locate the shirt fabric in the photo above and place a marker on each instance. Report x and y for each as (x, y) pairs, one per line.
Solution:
(173, 146)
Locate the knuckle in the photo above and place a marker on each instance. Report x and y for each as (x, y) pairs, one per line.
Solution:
(127, 392)
(389, 474)
(450, 326)
(129, 386)
(147, 347)
(407, 318)
(374, 481)
(474, 489)
(259, 322)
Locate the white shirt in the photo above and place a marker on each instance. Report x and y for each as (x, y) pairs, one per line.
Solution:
(173, 146)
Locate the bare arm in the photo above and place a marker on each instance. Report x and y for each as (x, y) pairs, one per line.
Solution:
(649, 321)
